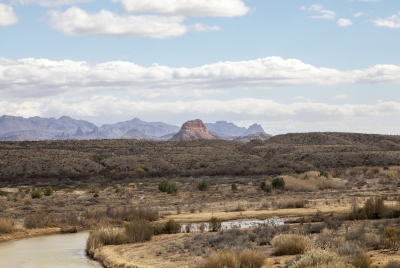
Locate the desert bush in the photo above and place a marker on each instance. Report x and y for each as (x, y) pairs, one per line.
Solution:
(48, 191)
(167, 186)
(172, 227)
(362, 261)
(392, 264)
(39, 220)
(36, 194)
(214, 224)
(251, 259)
(234, 187)
(278, 183)
(290, 244)
(349, 248)
(374, 208)
(391, 238)
(203, 185)
(319, 258)
(222, 259)
(6, 226)
(140, 171)
(293, 203)
(316, 228)
(266, 187)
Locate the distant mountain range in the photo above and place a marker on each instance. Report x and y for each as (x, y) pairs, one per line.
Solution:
(17, 128)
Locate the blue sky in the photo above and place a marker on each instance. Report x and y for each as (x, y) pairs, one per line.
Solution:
(292, 66)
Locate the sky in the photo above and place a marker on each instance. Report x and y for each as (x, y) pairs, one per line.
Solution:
(291, 66)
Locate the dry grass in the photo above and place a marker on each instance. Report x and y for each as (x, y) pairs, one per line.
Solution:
(290, 244)
(251, 259)
(6, 226)
(293, 203)
(313, 183)
(126, 213)
(320, 258)
(230, 259)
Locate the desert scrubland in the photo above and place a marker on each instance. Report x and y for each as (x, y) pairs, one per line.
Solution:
(160, 204)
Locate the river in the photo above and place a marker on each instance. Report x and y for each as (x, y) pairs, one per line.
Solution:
(54, 251)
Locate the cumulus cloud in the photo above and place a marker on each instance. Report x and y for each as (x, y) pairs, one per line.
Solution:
(199, 27)
(390, 22)
(42, 77)
(322, 13)
(344, 22)
(49, 3)
(341, 97)
(7, 15)
(100, 105)
(75, 21)
(358, 14)
(197, 8)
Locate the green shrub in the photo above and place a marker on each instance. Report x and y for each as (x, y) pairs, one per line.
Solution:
(48, 191)
(234, 187)
(140, 171)
(166, 186)
(36, 194)
(214, 224)
(362, 261)
(278, 183)
(293, 174)
(203, 185)
(266, 187)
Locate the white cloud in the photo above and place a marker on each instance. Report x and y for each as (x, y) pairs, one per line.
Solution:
(358, 14)
(344, 22)
(42, 77)
(341, 97)
(323, 13)
(197, 8)
(76, 21)
(390, 22)
(301, 98)
(100, 106)
(199, 27)
(368, 0)
(49, 3)
(7, 15)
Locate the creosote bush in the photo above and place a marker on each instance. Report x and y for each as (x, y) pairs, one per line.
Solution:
(6, 226)
(48, 191)
(167, 186)
(362, 261)
(203, 185)
(234, 187)
(278, 183)
(266, 187)
(36, 194)
(290, 244)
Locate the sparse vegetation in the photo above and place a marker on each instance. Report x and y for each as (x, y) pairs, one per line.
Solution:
(6, 226)
(231, 259)
(167, 186)
(203, 185)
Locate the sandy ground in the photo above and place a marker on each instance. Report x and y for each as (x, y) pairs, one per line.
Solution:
(21, 233)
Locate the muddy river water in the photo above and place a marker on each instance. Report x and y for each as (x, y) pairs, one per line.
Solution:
(54, 251)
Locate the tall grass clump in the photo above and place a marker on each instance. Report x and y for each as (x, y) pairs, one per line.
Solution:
(40, 220)
(214, 224)
(134, 232)
(126, 213)
(6, 226)
(231, 259)
(203, 185)
(290, 244)
(320, 258)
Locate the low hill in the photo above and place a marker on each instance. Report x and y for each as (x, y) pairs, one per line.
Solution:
(282, 153)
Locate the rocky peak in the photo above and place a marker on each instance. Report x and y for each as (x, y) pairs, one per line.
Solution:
(194, 125)
(193, 130)
(79, 132)
(253, 129)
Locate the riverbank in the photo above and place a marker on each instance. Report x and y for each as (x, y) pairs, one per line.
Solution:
(22, 233)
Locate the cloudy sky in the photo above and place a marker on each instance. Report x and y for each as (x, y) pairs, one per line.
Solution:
(292, 66)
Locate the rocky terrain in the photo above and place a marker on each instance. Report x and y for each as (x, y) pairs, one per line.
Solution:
(13, 128)
(284, 153)
(193, 130)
